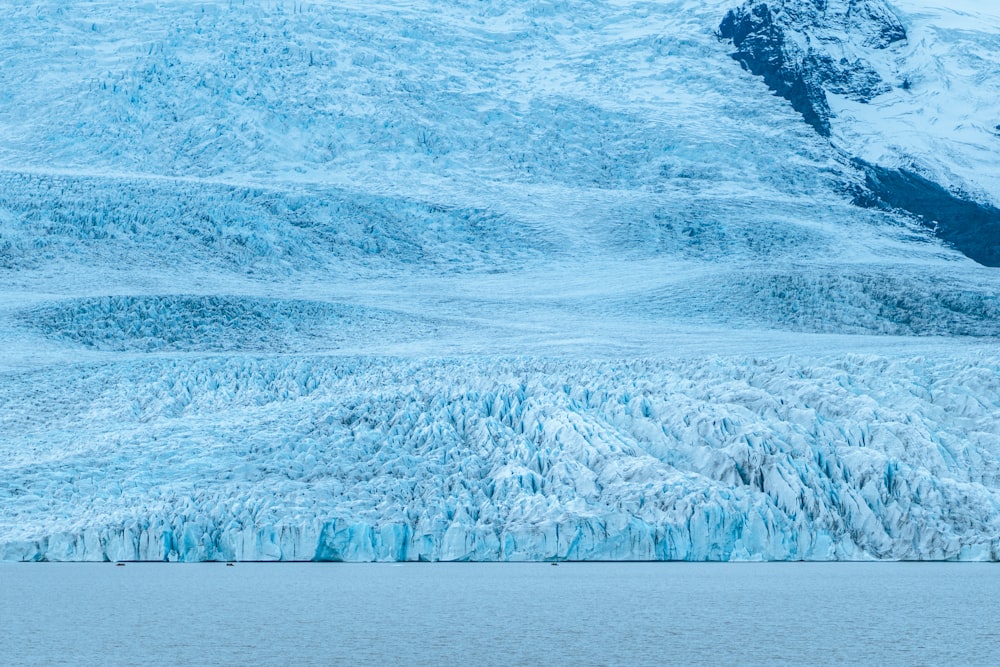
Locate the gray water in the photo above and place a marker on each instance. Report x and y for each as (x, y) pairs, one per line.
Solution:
(500, 614)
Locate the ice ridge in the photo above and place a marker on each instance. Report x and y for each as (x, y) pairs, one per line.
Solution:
(853, 457)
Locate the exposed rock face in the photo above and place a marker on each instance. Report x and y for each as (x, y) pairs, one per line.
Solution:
(804, 48)
(972, 228)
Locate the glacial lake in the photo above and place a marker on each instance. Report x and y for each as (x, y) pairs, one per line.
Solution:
(500, 614)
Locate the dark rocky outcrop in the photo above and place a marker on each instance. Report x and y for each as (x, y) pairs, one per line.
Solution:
(805, 48)
(971, 227)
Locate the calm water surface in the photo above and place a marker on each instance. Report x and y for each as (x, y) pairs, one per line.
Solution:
(500, 614)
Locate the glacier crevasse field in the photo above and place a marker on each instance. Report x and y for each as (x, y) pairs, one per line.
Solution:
(486, 281)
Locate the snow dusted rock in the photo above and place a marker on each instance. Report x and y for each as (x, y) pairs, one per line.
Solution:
(804, 48)
(809, 50)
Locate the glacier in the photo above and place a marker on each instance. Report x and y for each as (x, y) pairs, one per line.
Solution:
(492, 281)
(855, 456)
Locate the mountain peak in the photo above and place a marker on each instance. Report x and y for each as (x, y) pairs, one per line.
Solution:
(804, 48)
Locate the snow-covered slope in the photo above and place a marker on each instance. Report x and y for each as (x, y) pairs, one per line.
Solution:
(907, 90)
(486, 280)
(942, 117)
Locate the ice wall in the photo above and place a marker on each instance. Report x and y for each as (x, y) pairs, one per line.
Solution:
(850, 457)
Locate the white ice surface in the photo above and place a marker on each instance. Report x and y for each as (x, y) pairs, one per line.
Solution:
(466, 280)
(946, 121)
